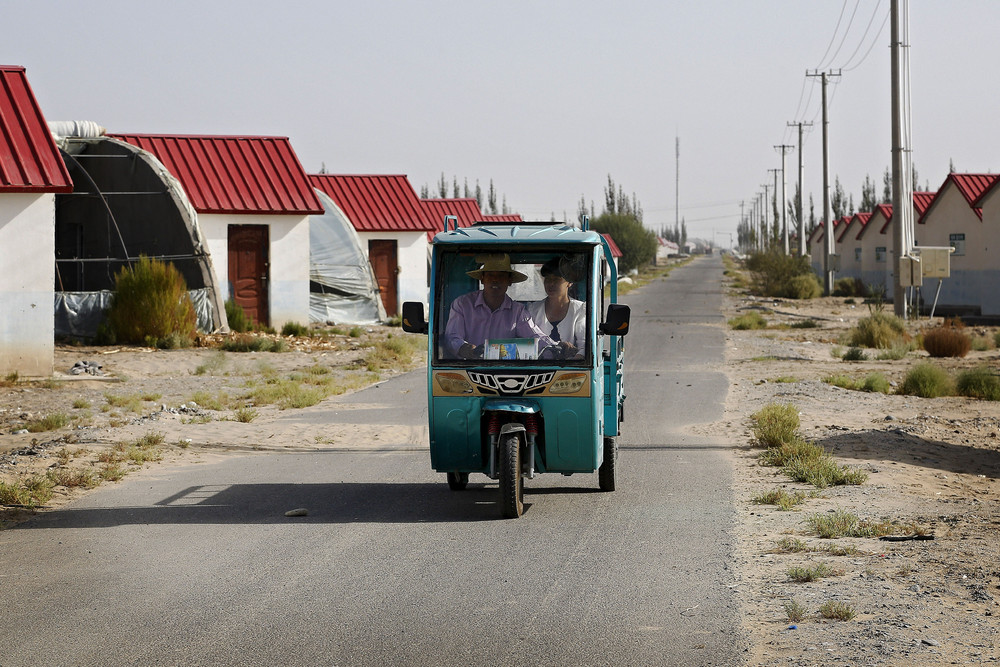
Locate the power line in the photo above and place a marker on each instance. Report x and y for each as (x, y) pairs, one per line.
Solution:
(872, 45)
(847, 31)
(832, 37)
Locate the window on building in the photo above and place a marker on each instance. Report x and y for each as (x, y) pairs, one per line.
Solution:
(957, 241)
(857, 254)
(880, 254)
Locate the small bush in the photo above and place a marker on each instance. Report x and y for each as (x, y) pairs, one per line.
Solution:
(842, 381)
(803, 575)
(980, 344)
(805, 324)
(775, 424)
(245, 415)
(841, 523)
(805, 286)
(877, 383)
(795, 611)
(252, 343)
(781, 498)
(47, 423)
(927, 381)
(294, 329)
(854, 354)
(879, 330)
(823, 472)
(849, 287)
(894, 353)
(239, 321)
(947, 340)
(837, 610)
(774, 274)
(748, 321)
(796, 449)
(979, 383)
(151, 306)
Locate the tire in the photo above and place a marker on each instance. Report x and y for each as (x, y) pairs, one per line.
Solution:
(607, 474)
(511, 486)
(457, 481)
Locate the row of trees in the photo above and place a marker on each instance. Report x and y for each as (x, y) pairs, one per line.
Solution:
(489, 207)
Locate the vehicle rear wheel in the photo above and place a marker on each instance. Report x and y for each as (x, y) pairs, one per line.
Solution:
(511, 486)
(607, 474)
(457, 481)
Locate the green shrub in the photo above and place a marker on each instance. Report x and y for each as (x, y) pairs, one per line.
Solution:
(797, 449)
(151, 305)
(251, 343)
(294, 329)
(979, 383)
(947, 340)
(854, 354)
(637, 243)
(239, 321)
(747, 321)
(805, 324)
(775, 424)
(879, 330)
(773, 274)
(875, 382)
(849, 287)
(805, 286)
(927, 381)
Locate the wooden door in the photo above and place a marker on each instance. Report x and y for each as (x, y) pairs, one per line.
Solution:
(248, 270)
(382, 256)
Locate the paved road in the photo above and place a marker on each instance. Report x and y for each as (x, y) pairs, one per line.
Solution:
(199, 566)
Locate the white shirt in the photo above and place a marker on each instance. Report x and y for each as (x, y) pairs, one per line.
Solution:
(572, 328)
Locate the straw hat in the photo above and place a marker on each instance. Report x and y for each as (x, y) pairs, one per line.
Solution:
(497, 262)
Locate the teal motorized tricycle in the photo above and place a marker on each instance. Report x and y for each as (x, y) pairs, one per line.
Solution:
(512, 399)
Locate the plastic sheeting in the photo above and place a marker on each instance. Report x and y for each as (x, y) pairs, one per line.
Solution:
(342, 286)
(78, 314)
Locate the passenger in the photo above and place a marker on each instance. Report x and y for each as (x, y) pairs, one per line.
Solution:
(489, 313)
(563, 318)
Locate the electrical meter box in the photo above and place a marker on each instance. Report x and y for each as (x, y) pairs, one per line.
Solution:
(909, 272)
(935, 261)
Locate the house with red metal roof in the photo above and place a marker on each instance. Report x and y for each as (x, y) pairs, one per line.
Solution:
(253, 201)
(816, 243)
(31, 173)
(392, 225)
(955, 218)
(850, 247)
(877, 242)
(989, 203)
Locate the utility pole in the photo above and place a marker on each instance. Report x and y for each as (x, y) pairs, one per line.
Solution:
(777, 212)
(677, 184)
(798, 203)
(828, 240)
(784, 196)
(902, 173)
(765, 222)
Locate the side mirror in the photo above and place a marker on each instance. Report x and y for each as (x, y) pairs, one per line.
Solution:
(616, 323)
(413, 317)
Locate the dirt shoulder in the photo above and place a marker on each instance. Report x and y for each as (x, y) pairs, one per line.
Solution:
(934, 463)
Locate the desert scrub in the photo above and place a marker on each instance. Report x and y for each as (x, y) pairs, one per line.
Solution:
(128, 402)
(781, 498)
(27, 492)
(790, 545)
(823, 472)
(794, 611)
(245, 415)
(873, 382)
(395, 353)
(775, 424)
(837, 610)
(841, 523)
(246, 342)
(801, 575)
(748, 321)
(294, 329)
(979, 383)
(879, 330)
(805, 324)
(219, 401)
(854, 354)
(47, 423)
(71, 478)
(150, 306)
(927, 381)
(774, 273)
(947, 340)
(213, 365)
(81, 404)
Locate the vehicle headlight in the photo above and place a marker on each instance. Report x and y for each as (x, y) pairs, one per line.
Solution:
(453, 383)
(568, 383)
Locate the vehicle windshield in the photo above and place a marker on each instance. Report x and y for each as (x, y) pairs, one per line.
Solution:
(513, 307)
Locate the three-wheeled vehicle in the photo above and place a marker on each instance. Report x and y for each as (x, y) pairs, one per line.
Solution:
(521, 406)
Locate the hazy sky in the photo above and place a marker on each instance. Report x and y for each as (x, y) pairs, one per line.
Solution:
(546, 97)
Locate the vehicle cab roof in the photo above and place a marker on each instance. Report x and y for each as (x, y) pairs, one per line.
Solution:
(541, 233)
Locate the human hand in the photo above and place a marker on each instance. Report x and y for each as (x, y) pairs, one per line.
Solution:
(470, 351)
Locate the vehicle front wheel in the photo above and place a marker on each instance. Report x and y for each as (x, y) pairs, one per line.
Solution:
(457, 481)
(511, 485)
(607, 474)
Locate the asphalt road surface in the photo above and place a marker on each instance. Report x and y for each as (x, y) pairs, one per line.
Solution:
(198, 565)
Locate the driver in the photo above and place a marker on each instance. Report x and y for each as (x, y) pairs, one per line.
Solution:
(489, 312)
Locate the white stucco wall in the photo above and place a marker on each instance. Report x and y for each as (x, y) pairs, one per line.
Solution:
(850, 263)
(991, 252)
(951, 214)
(27, 276)
(873, 272)
(411, 256)
(288, 255)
